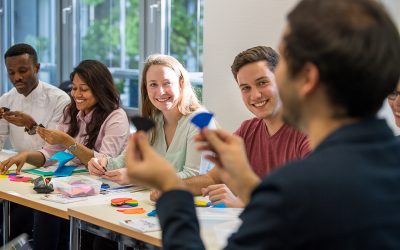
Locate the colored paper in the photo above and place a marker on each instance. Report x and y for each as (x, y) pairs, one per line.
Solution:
(152, 213)
(201, 120)
(219, 205)
(63, 171)
(20, 178)
(62, 157)
(124, 202)
(137, 210)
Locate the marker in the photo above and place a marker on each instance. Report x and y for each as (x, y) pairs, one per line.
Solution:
(121, 187)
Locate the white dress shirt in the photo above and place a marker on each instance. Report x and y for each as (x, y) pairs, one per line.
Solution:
(45, 104)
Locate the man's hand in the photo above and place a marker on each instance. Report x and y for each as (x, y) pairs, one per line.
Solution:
(146, 167)
(154, 195)
(231, 161)
(54, 136)
(97, 166)
(220, 193)
(19, 119)
(119, 176)
(3, 110)
(18, 160)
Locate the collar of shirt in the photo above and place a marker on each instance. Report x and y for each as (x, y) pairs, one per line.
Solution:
(84, 118)
(37, 93)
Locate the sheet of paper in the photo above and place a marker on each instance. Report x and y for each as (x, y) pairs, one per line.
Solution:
(59, 198)
(150, 224)
(218, 214)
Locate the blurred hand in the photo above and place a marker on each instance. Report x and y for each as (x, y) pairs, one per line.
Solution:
(18, 159)
(96, 166)
(119, 176)
(230, 159)
(220, 193)
(53, 136)
(19, 119)
(3, 110)
(154, 195)
(147, 168)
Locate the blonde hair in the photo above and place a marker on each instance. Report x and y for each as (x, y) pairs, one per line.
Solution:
(188, 101)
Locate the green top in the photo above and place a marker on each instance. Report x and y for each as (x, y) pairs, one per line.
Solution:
(181, 153)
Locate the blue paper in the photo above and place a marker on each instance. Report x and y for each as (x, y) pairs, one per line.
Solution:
(201, 120)
(62, 158)
(152, 213)
(219, 205)
(63, 171)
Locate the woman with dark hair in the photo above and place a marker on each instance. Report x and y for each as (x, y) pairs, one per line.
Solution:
(93, 125)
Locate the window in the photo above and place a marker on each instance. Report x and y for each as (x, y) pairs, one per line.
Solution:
(186, 38)
(109, 32)
(18, 16)
(119, 33)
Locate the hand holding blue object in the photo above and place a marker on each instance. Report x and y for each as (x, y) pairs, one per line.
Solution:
(201, 120)
(63, 158)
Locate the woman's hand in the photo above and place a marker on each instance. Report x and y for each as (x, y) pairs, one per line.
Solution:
(119, 176)
(97, 166)
(54, 136)
(18, 160)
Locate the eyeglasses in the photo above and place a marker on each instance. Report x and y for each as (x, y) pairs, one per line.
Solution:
(392, 96)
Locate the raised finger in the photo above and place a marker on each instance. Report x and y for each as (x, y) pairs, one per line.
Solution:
(143, 145)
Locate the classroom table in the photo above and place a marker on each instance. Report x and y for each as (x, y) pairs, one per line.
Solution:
(104, 220)
(107, 217)
(95, 214)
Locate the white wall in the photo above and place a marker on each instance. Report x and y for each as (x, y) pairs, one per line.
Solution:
(231, 26)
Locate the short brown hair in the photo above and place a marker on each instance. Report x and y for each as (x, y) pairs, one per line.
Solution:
(255, 54)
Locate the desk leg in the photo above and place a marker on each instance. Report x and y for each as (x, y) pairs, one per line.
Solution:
(74, 237)
(6, 221)
(121, 246)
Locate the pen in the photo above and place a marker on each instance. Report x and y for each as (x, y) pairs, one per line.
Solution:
(97, 161)
(121, 187)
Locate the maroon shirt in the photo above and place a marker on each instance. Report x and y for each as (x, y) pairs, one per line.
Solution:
(266, 152)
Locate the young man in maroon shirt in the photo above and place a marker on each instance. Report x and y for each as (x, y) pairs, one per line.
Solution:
(269, 142)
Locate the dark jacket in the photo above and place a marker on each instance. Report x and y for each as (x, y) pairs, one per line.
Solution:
(344, 195)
